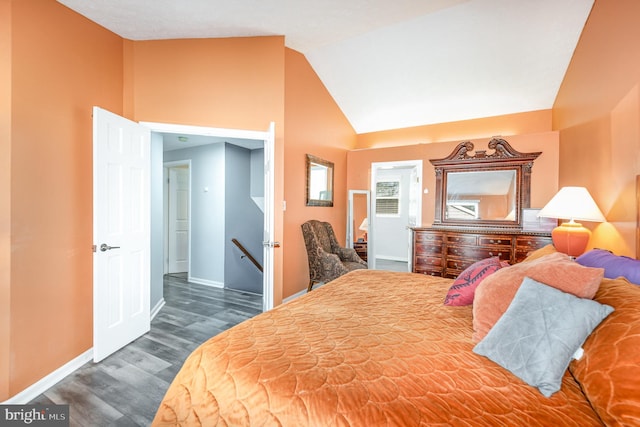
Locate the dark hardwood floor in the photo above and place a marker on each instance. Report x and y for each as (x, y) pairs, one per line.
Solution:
(126, 388)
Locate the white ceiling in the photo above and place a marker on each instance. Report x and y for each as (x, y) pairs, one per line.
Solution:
(388, 64)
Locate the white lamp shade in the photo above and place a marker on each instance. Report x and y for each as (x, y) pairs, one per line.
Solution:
(573, 203)
(364, 226)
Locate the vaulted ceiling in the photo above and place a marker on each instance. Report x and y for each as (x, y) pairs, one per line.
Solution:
(388, 64)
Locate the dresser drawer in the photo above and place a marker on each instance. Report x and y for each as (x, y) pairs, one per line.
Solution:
(494, 240)
(424, 237)
(527, 244)
(462, 239)
(428, 249)
(457, 266)
(524, 243)
(428, 261)
(475, 253)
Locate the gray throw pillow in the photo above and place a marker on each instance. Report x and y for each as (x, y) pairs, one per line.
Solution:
(537, 336)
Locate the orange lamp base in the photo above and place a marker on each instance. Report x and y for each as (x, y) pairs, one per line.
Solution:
(571, 238)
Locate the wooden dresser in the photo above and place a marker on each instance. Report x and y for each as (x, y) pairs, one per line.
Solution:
(448, 251)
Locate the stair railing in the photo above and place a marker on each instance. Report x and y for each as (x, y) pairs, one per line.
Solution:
(247, 254)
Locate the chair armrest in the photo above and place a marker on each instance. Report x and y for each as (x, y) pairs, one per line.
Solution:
(350, 254)
(331, 265)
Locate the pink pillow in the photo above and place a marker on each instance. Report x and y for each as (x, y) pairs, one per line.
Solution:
(464, 287)
(494, 294)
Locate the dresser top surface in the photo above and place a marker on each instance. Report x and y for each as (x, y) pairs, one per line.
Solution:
(479, 230)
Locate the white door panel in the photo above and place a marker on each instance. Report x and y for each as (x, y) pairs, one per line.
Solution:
(121, 232)
(179, 219)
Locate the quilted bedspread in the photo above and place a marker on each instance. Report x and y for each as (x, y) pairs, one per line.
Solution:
(367, 349)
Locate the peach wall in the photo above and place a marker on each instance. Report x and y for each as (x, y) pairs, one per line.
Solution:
(597, 112)
(314, 125)
(235, 83)
(62, 64)
(506, 125)
(5, 195)
(544, 176)
(230, 83)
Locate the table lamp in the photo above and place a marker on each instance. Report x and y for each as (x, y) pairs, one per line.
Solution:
(573, 203)
(364, 226)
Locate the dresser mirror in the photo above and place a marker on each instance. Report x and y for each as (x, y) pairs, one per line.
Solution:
(319, 181)
(483, 189)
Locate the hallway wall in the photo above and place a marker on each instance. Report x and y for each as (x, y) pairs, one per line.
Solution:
(244, 221)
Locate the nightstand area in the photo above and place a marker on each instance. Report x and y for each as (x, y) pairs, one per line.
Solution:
(361, 249)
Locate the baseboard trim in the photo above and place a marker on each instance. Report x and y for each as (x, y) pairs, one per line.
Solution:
(206, 282)
(157, 308)
(302, 292)
(392, 258)
(294, 296)
(39, 387)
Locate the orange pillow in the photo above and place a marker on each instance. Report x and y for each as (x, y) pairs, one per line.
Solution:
(494, 294)
(608, 371)
(539, 253)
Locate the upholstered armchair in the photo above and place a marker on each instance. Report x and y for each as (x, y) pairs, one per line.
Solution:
(327, 259)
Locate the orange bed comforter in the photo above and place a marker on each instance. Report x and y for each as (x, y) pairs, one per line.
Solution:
(370, 348)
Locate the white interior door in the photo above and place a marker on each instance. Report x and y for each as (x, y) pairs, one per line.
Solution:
(178, 219)
(121, 232)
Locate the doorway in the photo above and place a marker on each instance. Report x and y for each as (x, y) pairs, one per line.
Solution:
(177, 216)
(396, 205)
(197, 135)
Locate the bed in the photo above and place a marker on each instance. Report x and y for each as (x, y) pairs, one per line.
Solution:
(380, 348)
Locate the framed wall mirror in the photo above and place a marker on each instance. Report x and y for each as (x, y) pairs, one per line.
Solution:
(483, 189)
(319, 181)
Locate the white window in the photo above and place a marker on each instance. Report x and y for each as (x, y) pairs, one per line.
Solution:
(388, 197)
(463, 209)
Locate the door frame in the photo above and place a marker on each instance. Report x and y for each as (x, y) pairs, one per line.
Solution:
(375, 167)
(268, 137)
(165, 208)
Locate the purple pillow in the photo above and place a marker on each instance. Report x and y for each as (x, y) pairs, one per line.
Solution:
(464, 287)
(614, 265)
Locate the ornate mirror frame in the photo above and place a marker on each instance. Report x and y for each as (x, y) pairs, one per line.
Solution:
(321, 183)
(503, 158)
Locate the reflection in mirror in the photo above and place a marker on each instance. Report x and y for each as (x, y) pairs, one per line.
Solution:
(481, 195)
(358, 212)
(319, 181)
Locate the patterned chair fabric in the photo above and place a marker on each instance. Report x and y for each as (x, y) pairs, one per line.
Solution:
(327, 259)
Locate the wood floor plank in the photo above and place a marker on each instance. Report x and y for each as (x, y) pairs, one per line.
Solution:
(126, 388)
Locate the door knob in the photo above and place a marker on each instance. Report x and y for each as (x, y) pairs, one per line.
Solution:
(104, 247)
